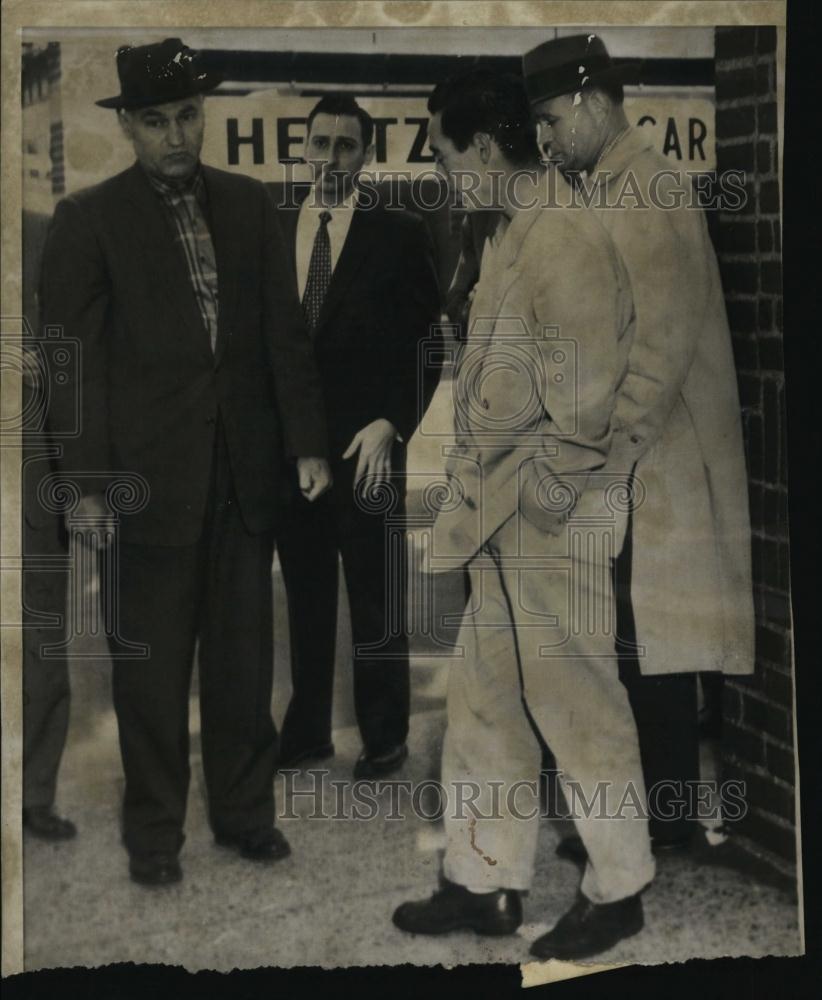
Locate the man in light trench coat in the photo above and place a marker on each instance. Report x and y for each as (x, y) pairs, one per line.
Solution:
(683, 578)
(533, 393)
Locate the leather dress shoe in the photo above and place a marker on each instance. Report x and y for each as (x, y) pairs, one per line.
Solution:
(590, 928)
(158, 868)
(454, 908)
(44, 823)
(379, 765)
(268, 846)
(320, 752)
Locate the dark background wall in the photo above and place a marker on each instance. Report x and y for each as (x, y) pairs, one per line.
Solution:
(758, 712)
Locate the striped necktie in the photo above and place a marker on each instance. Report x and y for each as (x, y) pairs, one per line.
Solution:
(319, 273)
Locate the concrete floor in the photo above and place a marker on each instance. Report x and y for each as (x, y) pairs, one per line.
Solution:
(330, 903)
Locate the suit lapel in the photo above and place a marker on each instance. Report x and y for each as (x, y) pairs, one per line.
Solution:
(227, 238)
(509, 251)
(289, 214)
(155, 235)
(499, 271)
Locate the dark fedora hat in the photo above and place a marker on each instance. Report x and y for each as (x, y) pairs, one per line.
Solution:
(569, 63)
(157, 74)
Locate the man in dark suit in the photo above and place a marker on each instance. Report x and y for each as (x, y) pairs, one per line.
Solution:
(197, 376)
(366, 279)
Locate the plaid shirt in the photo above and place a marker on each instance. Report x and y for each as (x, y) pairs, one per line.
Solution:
(188, 206)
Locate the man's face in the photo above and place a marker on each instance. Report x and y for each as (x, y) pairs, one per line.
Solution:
(458, 165)
(167, 138)
(568, 132)
(334, 149)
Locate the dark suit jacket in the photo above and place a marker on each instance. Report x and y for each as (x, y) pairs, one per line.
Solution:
(380, 305)
(151, 388)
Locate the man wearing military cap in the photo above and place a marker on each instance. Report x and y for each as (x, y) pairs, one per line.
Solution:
(683, 578)
(198, 376)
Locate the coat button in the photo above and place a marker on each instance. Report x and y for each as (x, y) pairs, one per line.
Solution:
(470, 504)
(211, 420)
(635, 439)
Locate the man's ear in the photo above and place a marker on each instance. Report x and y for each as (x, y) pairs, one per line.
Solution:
(482, 143)
(369, 155)
(125, 123)
(599, 104)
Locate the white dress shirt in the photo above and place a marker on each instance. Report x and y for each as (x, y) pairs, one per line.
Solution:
(307, 225)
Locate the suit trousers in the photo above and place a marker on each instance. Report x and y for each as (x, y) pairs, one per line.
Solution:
(215, 596)
(369, 536)
(666, 713)
(538, 647)
(46, 693)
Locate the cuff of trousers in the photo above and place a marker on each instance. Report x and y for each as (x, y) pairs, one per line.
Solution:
(473, 878)
(611, 887)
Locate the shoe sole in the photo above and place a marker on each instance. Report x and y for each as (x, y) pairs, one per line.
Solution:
(379, 774)
(154, 883)
(321, 754)
(570, 954)
(266, 859)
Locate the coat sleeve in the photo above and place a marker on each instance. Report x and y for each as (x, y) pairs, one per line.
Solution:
(296, 379)
(579, 368)
(75, 298)
(667, 253)
(412, 301)
(465, 276)
(577, 372)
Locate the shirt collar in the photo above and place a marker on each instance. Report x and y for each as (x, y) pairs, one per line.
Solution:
(195, 185)
(347, 205)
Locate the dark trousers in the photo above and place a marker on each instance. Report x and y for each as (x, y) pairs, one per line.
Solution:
(665, 710)
(217, 595)
(45, 679)
(374, 565)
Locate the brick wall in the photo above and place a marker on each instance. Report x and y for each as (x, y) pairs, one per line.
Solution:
(758, 728)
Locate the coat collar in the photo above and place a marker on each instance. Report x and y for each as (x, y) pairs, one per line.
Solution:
(154, 232)
(635, 141)
(229, 247)
(497, 279)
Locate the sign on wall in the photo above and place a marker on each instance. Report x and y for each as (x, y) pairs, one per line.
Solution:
(263, 135)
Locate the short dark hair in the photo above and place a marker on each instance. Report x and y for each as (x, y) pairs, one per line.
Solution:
(344, 104)
(484, 101)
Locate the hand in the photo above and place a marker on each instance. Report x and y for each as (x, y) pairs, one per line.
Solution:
(374, 442)
(315, 477)
(94, 507)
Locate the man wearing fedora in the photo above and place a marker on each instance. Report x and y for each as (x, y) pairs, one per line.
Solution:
(533, 395)
(683, 577)
(198, 376)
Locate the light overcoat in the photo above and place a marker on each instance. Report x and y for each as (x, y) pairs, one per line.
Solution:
(678, 418)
